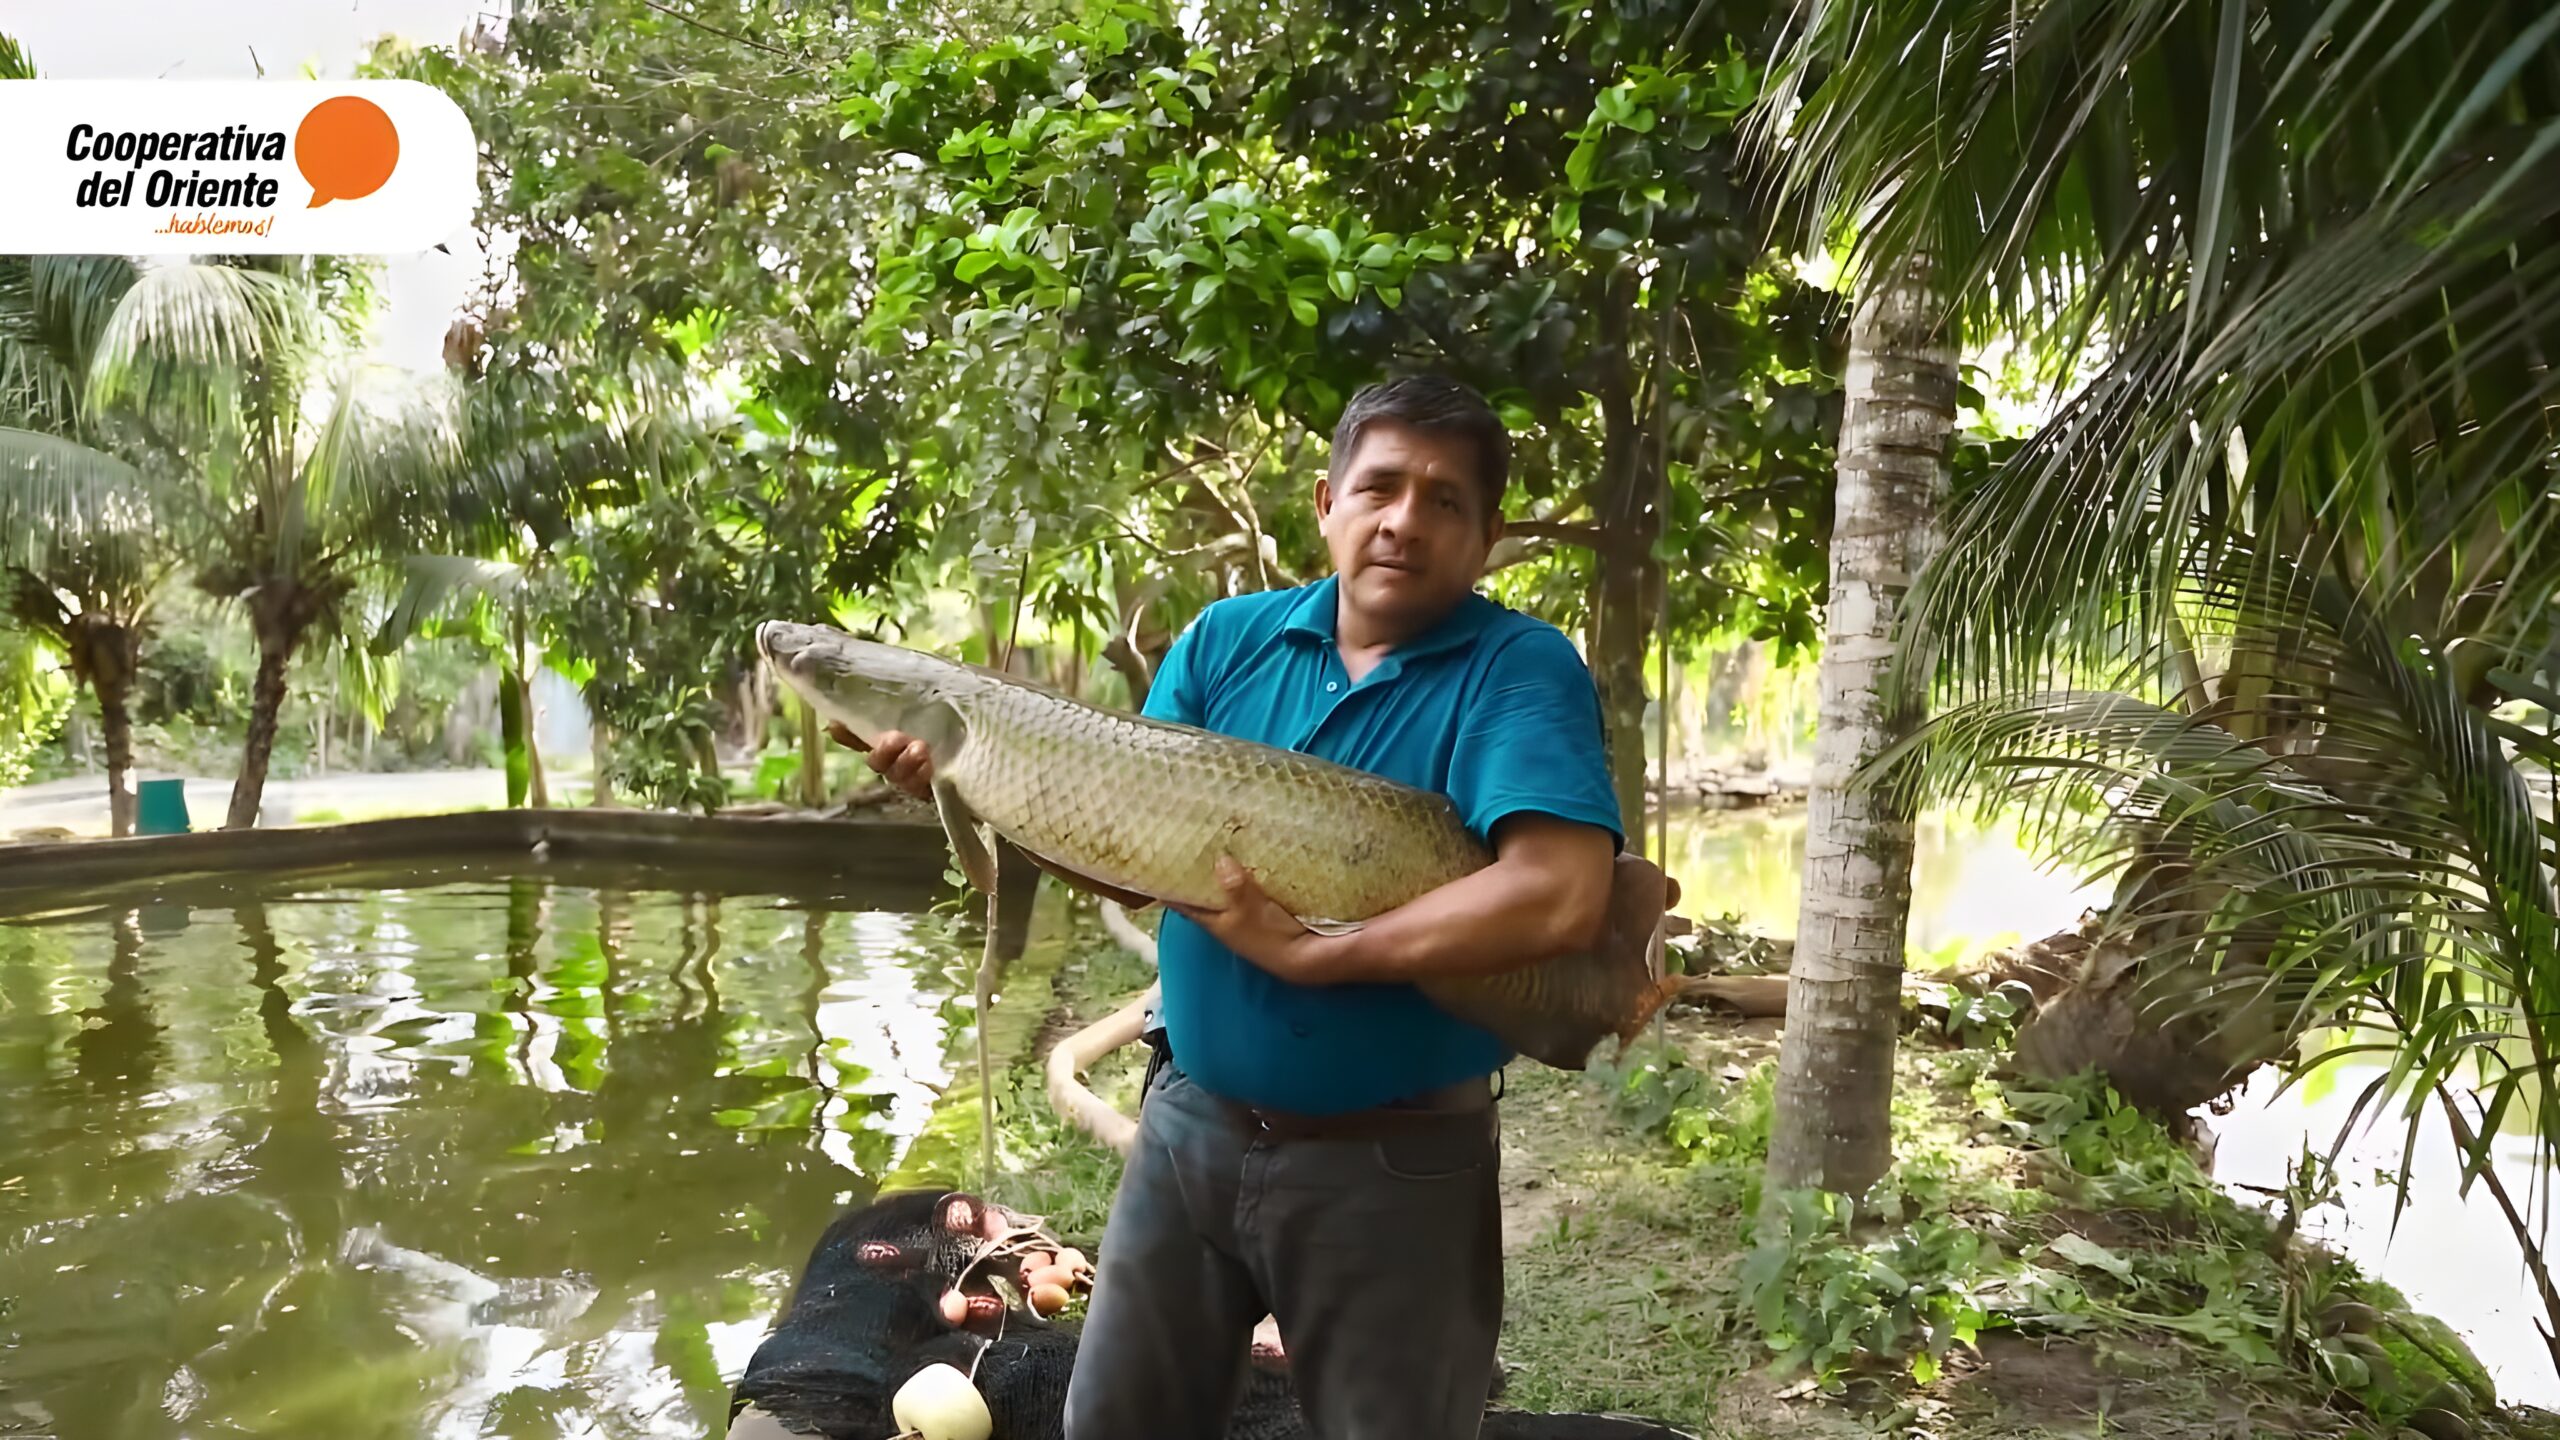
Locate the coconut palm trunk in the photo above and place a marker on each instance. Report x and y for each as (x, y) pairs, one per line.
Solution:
(266, 704)
(116, 720)
(1831, 1125)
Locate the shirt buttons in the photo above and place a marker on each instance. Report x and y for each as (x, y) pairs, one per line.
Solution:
(1331, 685)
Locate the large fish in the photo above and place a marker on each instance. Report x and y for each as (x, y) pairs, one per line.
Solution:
(1146, 807)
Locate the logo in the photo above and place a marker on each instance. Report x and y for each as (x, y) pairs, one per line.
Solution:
(346, 148)
(140, 167)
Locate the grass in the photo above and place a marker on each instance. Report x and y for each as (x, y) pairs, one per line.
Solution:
(2041, 1261)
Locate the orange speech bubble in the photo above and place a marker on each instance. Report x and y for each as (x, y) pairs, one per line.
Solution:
(346, 147)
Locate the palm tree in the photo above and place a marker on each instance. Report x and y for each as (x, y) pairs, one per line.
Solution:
(2274, 589)
(83, 580)
(316, 465)
(1830, 1126)
(307, 466)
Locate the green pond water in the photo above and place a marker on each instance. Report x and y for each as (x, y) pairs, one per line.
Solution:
(476, 1157)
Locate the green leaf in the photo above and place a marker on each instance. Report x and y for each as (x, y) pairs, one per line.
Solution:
(973, 265)
(1579, 164)
(2220, 122)
(1345, 287)
(1305, 310)
(2079, 1249)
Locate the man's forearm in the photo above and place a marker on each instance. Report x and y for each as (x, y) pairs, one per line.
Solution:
(1494, 920)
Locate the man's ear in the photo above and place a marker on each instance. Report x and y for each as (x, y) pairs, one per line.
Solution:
(1324, 497)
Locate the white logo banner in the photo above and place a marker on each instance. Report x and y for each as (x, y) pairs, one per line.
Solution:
(194, 167)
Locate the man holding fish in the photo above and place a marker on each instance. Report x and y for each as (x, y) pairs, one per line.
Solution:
(1321, 1143)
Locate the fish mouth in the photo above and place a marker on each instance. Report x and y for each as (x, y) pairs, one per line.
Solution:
(782, 644)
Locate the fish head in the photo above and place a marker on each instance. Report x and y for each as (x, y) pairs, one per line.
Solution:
(868, 686)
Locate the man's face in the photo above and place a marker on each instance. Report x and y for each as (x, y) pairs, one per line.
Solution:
(1408, 523)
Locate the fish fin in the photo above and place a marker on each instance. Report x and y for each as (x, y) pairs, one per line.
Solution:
(1323, 926)
(1129, 899)
(961, 825)
(1639, 896)
(1664, 991)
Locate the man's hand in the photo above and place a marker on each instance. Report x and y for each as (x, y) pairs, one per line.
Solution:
(908, 765)
(1546, 893)
(899, 757)
(1253, 925)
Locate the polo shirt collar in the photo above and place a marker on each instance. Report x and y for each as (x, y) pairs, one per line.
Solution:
(1312, 616)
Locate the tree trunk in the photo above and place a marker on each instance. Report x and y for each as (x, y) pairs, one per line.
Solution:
(1831, 1125)
(600, 755)
(539, 797)
(813, 755)
(1132, 665)
(1622, 618)
(108, 656)
(1617, 664)
(706, 749)
(117, 721)
(266, 703)
(537, 793)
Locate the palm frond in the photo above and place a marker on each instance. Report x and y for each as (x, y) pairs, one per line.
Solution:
(184, 340)
(2079, 161)
(58, 491)
(434, 586)
(532, 452)
(2371, 856)
(381, 462)
(2385, 384)
(53, 308)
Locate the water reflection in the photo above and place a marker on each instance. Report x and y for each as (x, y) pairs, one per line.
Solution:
(483, 1157)
(1974, 885)
(2453, 1255)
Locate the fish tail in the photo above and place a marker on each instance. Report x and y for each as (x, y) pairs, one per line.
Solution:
(1656, 995)
(1639, 893)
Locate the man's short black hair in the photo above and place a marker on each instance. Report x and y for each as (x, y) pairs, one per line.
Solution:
(1438, 403)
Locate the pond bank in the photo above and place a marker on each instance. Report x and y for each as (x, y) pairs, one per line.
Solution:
(2045, 1265)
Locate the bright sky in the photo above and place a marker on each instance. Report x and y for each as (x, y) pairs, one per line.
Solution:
(214, 40)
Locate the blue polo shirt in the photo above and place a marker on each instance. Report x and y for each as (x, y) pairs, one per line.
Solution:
(1492, 708)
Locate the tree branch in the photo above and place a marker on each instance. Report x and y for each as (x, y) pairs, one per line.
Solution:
(1569, 532)
(1513, 550)
(705, 25)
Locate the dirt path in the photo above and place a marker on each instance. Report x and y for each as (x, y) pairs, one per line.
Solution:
(79, 805)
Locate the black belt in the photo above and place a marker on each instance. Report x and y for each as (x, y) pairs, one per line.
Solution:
(1394, 1117)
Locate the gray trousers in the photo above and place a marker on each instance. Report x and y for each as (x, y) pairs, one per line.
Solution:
(1380, 1256)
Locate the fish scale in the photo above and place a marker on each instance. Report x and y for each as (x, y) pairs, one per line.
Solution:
(1148, 806)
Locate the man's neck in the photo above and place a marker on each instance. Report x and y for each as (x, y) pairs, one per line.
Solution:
(1363, 641)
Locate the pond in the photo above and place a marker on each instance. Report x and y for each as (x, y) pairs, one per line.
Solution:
(1975, 888)
(481, 1155)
